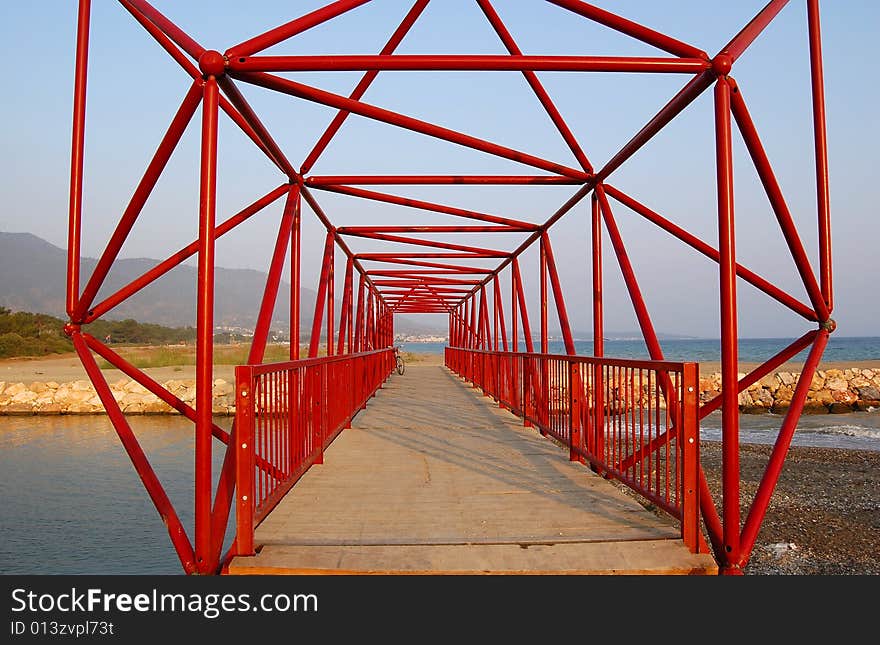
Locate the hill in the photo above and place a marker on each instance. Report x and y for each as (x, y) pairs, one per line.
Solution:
(34, 280)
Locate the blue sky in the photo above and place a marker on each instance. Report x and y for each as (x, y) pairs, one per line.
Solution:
(134, 88)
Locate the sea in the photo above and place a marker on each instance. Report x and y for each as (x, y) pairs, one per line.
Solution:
(73, 504)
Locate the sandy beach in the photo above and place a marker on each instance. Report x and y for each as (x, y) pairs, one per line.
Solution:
(824, 517)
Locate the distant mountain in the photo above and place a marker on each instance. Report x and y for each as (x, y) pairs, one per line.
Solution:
(34, 279)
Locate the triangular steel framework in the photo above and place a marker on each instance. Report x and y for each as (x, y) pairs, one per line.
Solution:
(440, 276)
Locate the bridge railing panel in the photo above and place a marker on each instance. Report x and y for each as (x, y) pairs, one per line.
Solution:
(633, 421)
(286, 416)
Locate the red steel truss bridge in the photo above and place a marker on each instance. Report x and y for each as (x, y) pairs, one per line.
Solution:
(635, 422)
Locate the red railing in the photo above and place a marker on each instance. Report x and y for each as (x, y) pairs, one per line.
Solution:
(634, 421)
(286, 415)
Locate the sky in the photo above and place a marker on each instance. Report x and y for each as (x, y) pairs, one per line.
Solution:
(135, 88)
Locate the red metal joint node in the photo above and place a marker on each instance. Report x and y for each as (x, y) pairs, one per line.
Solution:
(828, 325)
(212, 63)
(721, 64)
(71, 328)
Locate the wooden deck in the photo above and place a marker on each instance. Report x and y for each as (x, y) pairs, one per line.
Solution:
(434, 478)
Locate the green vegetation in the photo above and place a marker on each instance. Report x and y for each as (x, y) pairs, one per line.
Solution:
(149, 357)
(24, 334)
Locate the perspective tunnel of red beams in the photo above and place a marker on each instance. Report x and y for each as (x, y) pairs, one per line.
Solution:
(442, 277)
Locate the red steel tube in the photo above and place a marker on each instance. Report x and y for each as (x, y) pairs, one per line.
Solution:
(414, 273)
(499, 307)
(679, 102)
(248, 114)
(596, 241)
(774, 194)
(512, 63)
(150, 384)
(292, 28)
(295, 276)
(175, 33)
(524, 312)
(729, 361)
(321, 297)
(629, 277)
(139, 198)
(337, 101)
(359, 321)
(138, 459)
(542, 294)
(435, 265)
(762, 370)
(821, 148)
(630, 28)
(747, 35)
(273, 280)
(363, 85)
(532, 79)
(783, 441)
(501, 180)
(395, 256)
(431, 243)
(423, 205)
(205, 325)
(749, 276)
(188, 251)
(354, 230)
(331, 282)
(345, 317)
(191, 69)
(558, 296)
(77, 155)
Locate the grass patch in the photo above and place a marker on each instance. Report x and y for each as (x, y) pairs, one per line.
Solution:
(183, 355)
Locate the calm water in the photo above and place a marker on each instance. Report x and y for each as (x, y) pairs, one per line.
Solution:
(72, 503)
(751, 350)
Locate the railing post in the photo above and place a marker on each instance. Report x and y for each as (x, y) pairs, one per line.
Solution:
(690, 442)
(244, 460)
(575, 394)
(526, 380)
(317, 420)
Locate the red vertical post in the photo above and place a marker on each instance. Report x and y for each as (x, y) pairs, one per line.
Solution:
(513, 293)
(244, 460)
(295, 275)
(331, 282)
(543, 282)
(821, 147)
(500, 307)
(689, 436)
(74, 227)
(205, 325)
(345, 317)
(527, 328)
(369, 325)
(729, 359)
(359, 344)
(598, 331)
(315, 339)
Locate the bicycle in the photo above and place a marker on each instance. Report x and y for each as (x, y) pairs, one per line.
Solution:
(401, 366)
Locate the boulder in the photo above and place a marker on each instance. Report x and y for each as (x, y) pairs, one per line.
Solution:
(868, 392)
(815, 407)
(841, 408)
(14, 388)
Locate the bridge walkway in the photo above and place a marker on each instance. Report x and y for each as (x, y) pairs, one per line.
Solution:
(435, 478)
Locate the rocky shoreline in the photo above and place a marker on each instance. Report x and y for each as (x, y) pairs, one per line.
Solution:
(80, 397)
(832, 391)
